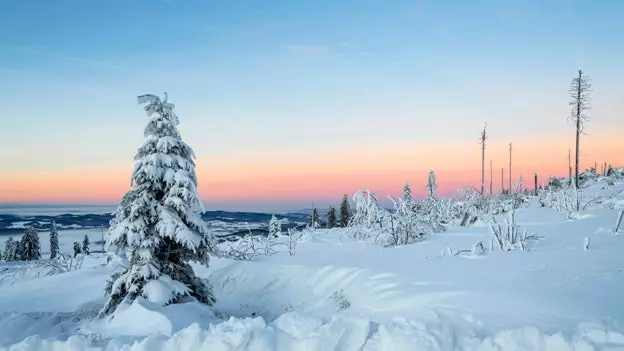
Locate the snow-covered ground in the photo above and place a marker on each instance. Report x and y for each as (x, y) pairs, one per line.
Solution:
(337, 294)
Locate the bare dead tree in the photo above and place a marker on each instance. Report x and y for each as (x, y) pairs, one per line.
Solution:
(491, 177)
(580, 88)
(510, 167)
(502, 180)
(569, 167)
(482, 142)
(535, 184)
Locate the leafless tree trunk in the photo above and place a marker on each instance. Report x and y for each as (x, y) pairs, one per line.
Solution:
(482, 141)
(491, 177)
(579, 92)
(510, 167)
(502, 180)
(569, 167)
(535, 183)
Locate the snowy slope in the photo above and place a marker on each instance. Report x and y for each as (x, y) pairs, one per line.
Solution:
(343, 295)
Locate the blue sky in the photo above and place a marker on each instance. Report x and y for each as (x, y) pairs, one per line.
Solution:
(258, 77)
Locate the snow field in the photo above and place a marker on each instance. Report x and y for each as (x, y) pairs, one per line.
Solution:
(346, 295)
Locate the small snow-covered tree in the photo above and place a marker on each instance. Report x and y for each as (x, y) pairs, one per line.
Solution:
(315, 220)
(345, 212)
(29, 245)
(11, 250)
(431, 184)
(405, 225)
(369, 218)
(85, 245)
(275, 228)
(54, 243)
(77, 249)
(157, 225)
(331, 217)
(407, 193)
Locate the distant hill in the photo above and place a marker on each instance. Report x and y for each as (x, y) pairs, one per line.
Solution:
(13, 223)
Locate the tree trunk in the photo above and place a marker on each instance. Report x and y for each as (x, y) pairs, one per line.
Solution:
(578, 132)
(535, 183)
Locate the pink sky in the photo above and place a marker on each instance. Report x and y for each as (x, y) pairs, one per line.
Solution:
(322, 176)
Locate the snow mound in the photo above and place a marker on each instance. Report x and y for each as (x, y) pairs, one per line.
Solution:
(249, 289)
(144, 318)
(295, 331)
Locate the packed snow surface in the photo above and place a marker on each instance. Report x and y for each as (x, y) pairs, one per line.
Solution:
(338, 294)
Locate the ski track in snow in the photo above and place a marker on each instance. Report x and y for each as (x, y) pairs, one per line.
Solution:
(337, 295)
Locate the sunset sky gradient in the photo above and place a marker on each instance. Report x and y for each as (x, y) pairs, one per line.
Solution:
(292, 102)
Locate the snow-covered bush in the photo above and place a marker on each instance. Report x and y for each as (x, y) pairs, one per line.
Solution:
(369, 218)
(568, 201)
(250, 246)
(408, 223)
(293, 238)
(340, 299)
(62, 263)
(509, 237)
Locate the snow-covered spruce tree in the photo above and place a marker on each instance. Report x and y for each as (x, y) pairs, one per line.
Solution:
(345, 212)
(157, 225)
(407, 193)
(77, 249)
(29, 245)
(331, 217)
(85, 245)
(10, 250)
(431, 184)
(275, 229)
(54, 243)
(315, 220)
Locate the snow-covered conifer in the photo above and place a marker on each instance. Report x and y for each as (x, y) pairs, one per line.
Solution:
(77, 249)
(407, 193)
(331, 217)
(54, 243)
(29, 245)
(85, 245)
(275, 228)
(11, 250)
(431, 184)
(157, 225)
(345, 212)
(314, 218)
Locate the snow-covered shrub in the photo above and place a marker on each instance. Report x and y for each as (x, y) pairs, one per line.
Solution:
(340, 299)
(478, 249)
(293, 237)
(369, 217)
(250, 246)
(62, 263)
(509, 237)
(568, 201)
(405, 226)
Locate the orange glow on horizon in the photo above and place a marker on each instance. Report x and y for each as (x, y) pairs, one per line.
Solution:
(323, 174)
